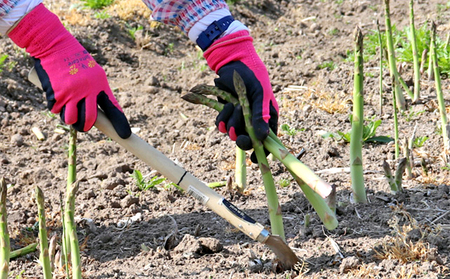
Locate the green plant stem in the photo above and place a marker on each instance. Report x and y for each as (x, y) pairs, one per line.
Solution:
(289, 160)
(240, 170)
(380, 41)
(217, 184)
(275, 216)
(69, 209)
(392, 62)
(71, 230)
(356, 137)
(396, 133)
(437, 79)
(4, 234)
(23, 251)
(277, 149)
(407, 155)
(308, 181)
(43, 240)
(204, 89)
(415, 53)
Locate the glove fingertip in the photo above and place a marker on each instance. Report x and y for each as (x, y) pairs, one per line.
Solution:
(244, 142)
(114, 114)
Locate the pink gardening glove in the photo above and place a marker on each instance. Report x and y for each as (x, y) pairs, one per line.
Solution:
(73, 81)
(235, 52)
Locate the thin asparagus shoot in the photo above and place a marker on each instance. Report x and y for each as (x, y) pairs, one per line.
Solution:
(276, 219)
(415, 53)
(356, 136)
(4, 234)
(23, 251)
(437, 79)
(380, 41)
(43, 240)
(396, 88)
(407, 155)
(240, 170)
(69, 209)
(396, 133)
(71, 230)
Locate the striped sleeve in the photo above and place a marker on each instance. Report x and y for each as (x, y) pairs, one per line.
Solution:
(183, 13)
(6, 6)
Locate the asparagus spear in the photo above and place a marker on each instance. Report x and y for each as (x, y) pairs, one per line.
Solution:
(43, 240)
(4, 234)
(275, 216)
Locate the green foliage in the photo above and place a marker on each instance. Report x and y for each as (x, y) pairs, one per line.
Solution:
(284, 182)
(419, 141)
(2, 61)
(369, 132)
(132, 30)
(287, 130)
(169, 48)
(10, 65)
(403, 47)
(102, 15)
(327, 65)
(144, 184)
(411, 114)
(97, 4)
(231, 2)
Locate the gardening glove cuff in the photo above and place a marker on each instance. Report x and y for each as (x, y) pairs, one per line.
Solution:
(73, 81)
(235, 52)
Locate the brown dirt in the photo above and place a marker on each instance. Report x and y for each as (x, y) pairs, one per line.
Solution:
(163, 233)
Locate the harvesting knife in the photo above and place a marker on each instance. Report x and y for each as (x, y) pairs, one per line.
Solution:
(193, 186)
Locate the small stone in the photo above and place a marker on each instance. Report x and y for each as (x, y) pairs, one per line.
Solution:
(17, 140)
(348, 263)
(112, 182)
(128, 201)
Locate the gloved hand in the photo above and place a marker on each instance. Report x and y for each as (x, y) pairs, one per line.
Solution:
(235, 52)
(73, 81)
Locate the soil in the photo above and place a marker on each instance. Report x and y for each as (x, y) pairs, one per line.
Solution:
(164, 233)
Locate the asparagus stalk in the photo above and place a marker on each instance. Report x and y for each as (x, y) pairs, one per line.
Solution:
(69, 210)
(356, 166)
(23, 251)
(276, 147)
(314, 188)
(437, 79)
(396, 133)
(4, 234)
(43, 240)
(415, 53)
(240, 170)
(391, 58)
(71, 231)
(380, 41)
(275, 216)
